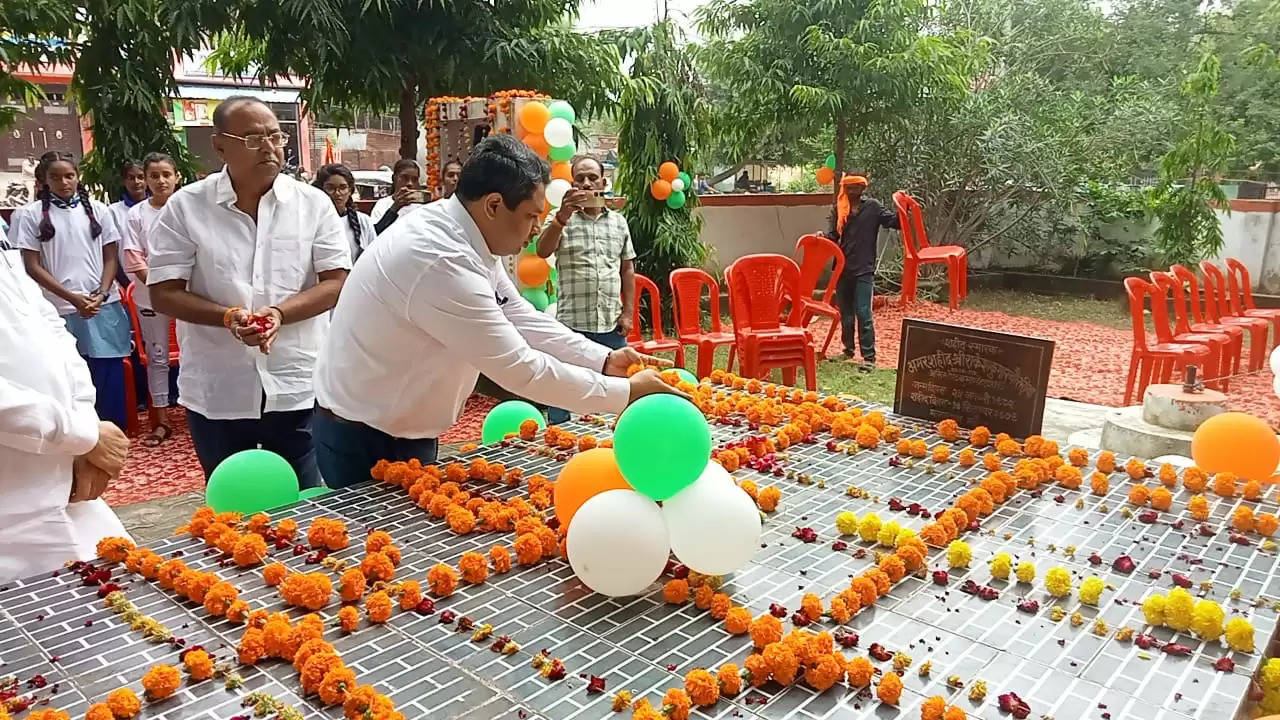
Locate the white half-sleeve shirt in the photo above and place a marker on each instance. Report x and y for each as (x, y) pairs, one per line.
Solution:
(425, 311)
(73, 256)
(203, 238)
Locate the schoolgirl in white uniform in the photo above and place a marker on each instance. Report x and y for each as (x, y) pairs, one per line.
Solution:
(69, 245)
(162, 180)
(133, 190)
(339, 184)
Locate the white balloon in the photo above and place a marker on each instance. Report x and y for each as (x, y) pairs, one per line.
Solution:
(1275, 361)
(677, 185)
(558, 132)
(556, 190)
(713, 524)
(618, 543)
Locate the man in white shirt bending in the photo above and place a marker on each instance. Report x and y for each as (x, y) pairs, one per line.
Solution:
(249, 261)
(429, 307)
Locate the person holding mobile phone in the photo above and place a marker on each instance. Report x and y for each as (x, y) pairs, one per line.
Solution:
(595, 261)
(406, 180)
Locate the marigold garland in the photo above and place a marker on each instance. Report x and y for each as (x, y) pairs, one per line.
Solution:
(114, 549)
(377, 567)
(349, 618)
(378, 607)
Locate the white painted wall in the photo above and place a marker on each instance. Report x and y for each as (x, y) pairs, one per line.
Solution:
(736, 230)
(1253, 238)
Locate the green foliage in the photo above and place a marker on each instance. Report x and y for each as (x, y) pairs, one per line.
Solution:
(31, 38)
(1189, 229)
(805, 182)
(663, 117)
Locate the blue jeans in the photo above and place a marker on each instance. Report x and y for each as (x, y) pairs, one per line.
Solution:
(612, 340)
(853, 298)
(346, 451)
(287, 434)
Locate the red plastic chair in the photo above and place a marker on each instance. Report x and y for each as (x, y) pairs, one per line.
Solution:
(917, 251)
(1218, 310)
(1182, 323)
(1156, 361)
(126, 298)
(686, 302)
(1241, 298)
(759, 286)
(1219, 366)
(813, 252)
(660, 342)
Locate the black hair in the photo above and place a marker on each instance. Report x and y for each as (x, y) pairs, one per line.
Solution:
(502, 164)
(158, 157)
(327, 171)
(405, 164)
(454, 161)
(125, 167)
(573, 163)
(45, 195)
(225, 107)
(128, 165)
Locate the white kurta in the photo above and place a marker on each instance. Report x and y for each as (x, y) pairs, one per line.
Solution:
(46, 420)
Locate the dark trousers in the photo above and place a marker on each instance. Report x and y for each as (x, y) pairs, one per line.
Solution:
(287, 434)
(346, 451)
(612, 340)
(853, 296)
(108, 380)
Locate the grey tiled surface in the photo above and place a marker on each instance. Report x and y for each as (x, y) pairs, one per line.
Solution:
(432, 671)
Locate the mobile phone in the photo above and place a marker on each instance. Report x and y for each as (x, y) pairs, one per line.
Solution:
(419, 195)
(594, 200)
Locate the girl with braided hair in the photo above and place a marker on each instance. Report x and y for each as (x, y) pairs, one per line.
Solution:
(68, 244)
(339, 184)
(162, 181)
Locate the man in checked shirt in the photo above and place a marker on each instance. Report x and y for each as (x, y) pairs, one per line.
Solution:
(592, 244)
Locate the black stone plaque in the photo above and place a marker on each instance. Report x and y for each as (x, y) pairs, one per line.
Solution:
(977, 377)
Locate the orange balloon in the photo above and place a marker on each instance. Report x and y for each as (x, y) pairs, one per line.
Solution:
(561, 170)
(660, 189)
(537, 143)
(1236, 443)
(532, 271)
(520, 132)
(668, 171)
(534, 116)
(825, 175)
(586, 475)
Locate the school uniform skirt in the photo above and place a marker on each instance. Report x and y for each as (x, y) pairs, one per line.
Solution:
(103, 340)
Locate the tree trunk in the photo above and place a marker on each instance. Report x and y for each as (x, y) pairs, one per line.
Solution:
(409, 119)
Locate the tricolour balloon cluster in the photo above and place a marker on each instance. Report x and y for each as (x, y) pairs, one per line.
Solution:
(827, 173)
(547, 128)
(538, 280)
(619, 537)
(671, 185)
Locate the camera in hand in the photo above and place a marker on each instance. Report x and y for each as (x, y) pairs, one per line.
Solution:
(594, 200)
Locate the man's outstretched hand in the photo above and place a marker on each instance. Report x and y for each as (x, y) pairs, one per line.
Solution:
(623, 358)
(649, 382)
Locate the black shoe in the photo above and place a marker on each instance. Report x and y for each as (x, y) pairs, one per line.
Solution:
(867, 366)
(848, 354)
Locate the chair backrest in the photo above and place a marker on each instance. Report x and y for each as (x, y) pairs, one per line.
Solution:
(813, 252)
(1215, 292)
(758, 288)
(1184, 275)
(686, 300)
(1238, 285)
(1169, 284)
(645, 285)
(910, 223)
(1138, 289)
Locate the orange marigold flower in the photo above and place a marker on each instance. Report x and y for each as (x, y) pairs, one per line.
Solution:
(1099, 483)
(528, 429)
(124, 703)
(676, 592)
(351, 585)
(1135, 469)
(461, 520)
(738, 621)
(378, 567)
(1194, 479)
(768, 499)
(932, 534)
(314, 670)
(702, 687)
(919, 448)
(677, 704)
(1266, 524)
(1161, 498)
(811, 606)
(991, 462)
(1106, 462)
(474, 567)
(949, 430)
(161, 681)
(911, 557)
(410, 594)
(764, 630)
(867, 436)
(238, 611)
(376, 541)
(1009, 448)
(757, 670)
(904, 446)
(826, 671)
(97, 711)
(1224, 484)
(1068, 476)
(314, 646)
(333, 688)
(720, 606)
(729, 679)
(478, 469)
(783, 663)
(198, 664)
(840, 612)
(891, 433)
(702, 596)
(966, 458)
(1199, 507)
(941, 454)
(275, 573)
(1252, 490)
(1139, 495)
(893, 567)
(501, 558)
(586, 442)
(980, 436)
(1168, 475)
(889, 689)
(1242, 518)
(278, 637)
(455, 473)
(114, 549)
(378, 606)
(249, 551)
(750, 489)
(219, 598)
(443, 579)
(528, 549)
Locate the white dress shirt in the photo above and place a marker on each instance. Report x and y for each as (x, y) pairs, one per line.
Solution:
(46, 420)
(425, 310)
(367, 233)
(73, 256)
(203, 238)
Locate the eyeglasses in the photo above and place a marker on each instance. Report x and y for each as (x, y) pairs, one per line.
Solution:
(336, 189)
(254, 142)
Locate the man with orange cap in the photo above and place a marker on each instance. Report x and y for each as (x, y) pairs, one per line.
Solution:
(856, 226)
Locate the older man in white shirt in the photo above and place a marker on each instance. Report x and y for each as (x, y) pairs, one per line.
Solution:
(429, 307)
(249, 261)
(56, 457)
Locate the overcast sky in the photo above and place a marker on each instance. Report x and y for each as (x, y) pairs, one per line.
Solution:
(596, 14)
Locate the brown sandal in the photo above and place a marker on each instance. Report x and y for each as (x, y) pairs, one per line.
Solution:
(159, 434)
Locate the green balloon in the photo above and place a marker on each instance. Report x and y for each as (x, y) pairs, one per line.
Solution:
(314, 492)
(554, 278)
(675, 200)
(251, 481)
(506, 417)
(662, 444)
(562, 109)
(531, 248)
(537, 297)
(831, 161)
(686, 376)
(562, 153)
(688, 181)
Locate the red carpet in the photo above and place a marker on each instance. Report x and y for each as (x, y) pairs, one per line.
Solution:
(172, 468)
(1090, 361)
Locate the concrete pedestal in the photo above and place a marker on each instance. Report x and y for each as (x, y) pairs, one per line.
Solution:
(1163, 424)
(1168, 406)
